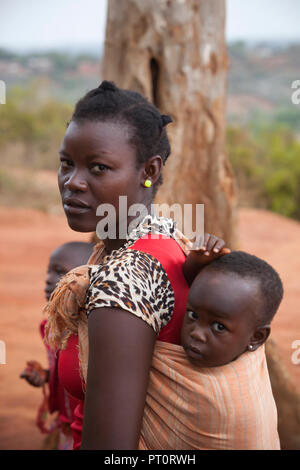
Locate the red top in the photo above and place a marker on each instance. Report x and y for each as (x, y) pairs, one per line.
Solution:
(59, 399)
(171, 257)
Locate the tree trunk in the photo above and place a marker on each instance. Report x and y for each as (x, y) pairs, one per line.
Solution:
(173, 52)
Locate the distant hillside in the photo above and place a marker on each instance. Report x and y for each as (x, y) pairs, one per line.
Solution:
(59, 75)
(260, 79)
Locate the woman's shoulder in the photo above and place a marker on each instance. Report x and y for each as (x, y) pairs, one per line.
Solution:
(131, 265)
(162, 247)
(148, 258)
(133, 281)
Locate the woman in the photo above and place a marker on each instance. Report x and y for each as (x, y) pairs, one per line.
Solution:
(116, 145)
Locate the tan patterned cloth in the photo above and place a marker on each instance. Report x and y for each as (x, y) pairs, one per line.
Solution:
(226, 407)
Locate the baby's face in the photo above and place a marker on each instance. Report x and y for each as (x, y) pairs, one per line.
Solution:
(59, 265)
(220, 318)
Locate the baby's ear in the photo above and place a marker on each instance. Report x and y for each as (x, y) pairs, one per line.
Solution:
(258, 338)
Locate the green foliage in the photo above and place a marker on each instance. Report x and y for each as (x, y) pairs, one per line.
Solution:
(266, 162)
(37, 125)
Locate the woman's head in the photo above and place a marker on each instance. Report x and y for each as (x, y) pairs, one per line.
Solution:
(146, 125)
(115, 141)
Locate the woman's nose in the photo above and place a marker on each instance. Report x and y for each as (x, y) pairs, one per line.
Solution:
(76, 182)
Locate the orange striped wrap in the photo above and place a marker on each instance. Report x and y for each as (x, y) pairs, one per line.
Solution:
(226, 407)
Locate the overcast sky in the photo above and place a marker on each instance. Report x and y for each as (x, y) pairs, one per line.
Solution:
(63, 23)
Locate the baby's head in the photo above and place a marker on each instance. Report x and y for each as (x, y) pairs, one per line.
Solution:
(63, 259)
(230, 307)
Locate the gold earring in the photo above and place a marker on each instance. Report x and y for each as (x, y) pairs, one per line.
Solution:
(148, 184)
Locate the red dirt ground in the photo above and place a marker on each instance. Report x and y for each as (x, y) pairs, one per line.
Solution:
(27, 238)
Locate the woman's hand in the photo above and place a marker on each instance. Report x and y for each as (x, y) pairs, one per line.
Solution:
(34, 374)
(205, 250)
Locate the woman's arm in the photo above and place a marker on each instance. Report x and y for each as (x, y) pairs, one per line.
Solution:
(120, 355)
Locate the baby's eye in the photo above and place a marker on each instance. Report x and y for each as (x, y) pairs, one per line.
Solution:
(99, 168)
(219, 327)
(192, 315)
(60, 271)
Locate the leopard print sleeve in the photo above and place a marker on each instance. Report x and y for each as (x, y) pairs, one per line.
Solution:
(133, 281)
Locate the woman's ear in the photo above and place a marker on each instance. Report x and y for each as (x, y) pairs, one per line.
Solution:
(153, 168)
(259, 336)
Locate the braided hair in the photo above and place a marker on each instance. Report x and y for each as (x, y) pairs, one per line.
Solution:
(146, 124)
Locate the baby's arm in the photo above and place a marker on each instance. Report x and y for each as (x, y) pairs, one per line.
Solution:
(204, 251)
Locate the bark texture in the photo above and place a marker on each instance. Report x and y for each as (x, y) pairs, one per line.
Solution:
(173, 52)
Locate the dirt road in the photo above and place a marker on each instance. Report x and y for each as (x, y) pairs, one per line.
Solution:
(27, 238)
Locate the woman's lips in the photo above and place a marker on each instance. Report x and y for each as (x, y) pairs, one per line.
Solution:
(75, 209)
(75, 206)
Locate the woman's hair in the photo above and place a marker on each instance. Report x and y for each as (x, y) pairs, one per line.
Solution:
(146, 124)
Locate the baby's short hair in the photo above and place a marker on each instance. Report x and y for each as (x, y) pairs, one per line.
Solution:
(250, 266)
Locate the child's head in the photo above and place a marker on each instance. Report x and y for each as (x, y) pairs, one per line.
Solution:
(63, 259)
(230, 307)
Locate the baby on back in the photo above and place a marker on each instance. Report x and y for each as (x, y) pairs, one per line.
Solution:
(213, 391)
(231, 304)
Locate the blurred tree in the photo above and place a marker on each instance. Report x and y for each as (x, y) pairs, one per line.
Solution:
(173, 52)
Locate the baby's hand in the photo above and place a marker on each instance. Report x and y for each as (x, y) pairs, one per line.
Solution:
(205, 249)
(34, 374)
(208, 248)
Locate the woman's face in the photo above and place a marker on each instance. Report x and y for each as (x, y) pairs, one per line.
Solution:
(98, 165)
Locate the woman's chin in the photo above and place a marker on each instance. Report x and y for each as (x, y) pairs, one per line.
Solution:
(80, 225)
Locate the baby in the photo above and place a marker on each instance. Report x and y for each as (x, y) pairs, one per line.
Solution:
(62, 260)
(214, 392)
(230, 307)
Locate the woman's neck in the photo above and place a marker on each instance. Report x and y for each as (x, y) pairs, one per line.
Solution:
(116, 243)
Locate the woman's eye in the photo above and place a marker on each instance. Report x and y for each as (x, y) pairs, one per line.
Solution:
(192, 315)
(218, 327)
(99, 168)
